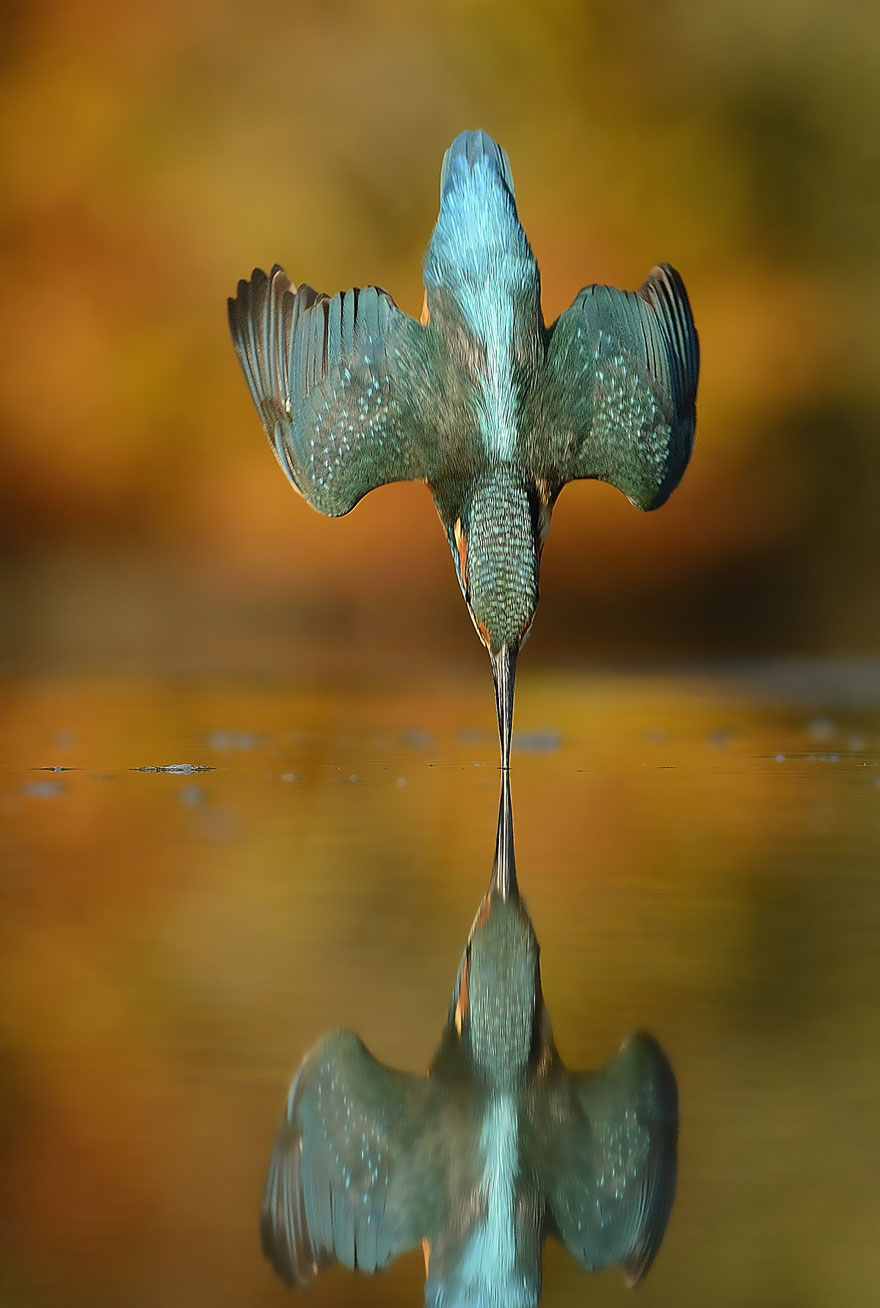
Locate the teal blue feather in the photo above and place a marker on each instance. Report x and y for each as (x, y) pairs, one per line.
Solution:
(494, 410)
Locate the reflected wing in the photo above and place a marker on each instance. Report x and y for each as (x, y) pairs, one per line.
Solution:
(610, 1159)
(347, 1178)
(616, 399)
(338, 383)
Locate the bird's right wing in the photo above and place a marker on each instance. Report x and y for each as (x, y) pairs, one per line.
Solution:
(607, 1155)
(348, 1178)
(616, 396)
(344, 386)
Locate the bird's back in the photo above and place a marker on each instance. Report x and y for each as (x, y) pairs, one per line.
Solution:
(487, 1253)
(483, 285)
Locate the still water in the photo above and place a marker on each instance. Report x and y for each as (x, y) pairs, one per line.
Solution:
(699, 853)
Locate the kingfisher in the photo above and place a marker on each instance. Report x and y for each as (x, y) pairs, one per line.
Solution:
(481, 400)
(497, 1146)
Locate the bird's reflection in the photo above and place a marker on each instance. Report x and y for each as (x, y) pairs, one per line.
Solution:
(495, 1147)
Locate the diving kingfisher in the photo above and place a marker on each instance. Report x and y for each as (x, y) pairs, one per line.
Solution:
(496, 1147)
(494, 410)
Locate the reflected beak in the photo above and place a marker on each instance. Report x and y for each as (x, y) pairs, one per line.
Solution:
(504, 673)
(504, 868)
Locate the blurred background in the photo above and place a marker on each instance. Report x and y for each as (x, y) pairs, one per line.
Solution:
(152, 155)
(697, 825)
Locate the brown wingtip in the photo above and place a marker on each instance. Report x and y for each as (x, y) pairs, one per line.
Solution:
(636, 1268)
(633, 1277)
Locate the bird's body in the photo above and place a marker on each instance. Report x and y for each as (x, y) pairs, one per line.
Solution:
(494, 410)
(496, 1147)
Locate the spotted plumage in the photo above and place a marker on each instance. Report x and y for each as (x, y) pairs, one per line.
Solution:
(494, 410)
(496, 1147)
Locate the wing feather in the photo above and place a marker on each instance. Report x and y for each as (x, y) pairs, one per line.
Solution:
(607, 1153)
(616, 399)
(348, 1178)
(343, 386)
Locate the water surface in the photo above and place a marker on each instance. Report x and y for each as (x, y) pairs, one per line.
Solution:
(699, 855)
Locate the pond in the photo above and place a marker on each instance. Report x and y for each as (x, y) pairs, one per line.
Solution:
(699, 853)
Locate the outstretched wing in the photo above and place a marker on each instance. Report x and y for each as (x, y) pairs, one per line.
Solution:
(348, 1179)
(616, 398)
(609, 1159)
(339, 384)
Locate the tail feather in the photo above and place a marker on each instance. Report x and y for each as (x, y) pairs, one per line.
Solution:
(468, 151)
(478, 237)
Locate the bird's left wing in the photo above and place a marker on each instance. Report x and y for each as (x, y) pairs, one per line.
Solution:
(607, 1156)
(348, 1178)
(341, 385)
(616, 396)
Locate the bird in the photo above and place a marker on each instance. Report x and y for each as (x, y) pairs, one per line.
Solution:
(479, 398)
(496, 1147)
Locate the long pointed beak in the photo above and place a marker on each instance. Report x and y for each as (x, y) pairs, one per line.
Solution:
(504, 675)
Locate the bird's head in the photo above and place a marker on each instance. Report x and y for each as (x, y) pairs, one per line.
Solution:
(497, 1010)
(496, 540)
(497, 999)
(496, 531)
